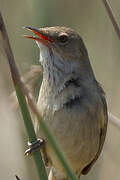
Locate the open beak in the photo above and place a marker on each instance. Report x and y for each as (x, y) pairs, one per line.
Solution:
(41, 36)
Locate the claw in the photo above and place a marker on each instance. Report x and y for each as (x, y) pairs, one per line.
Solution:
(34, 146)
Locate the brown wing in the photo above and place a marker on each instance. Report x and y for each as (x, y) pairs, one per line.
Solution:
(102, 133)
(31, 79)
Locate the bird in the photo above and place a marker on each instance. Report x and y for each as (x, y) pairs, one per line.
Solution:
(70, 101)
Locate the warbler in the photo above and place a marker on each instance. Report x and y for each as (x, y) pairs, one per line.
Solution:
(71, 101)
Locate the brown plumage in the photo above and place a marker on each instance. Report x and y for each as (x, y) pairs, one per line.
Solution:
(70, 101)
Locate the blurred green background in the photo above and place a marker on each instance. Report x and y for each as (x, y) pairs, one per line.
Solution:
(90, 19)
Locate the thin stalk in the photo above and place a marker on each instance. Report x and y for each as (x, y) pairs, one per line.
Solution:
(112, 17)
(30, 132)
(22, 101)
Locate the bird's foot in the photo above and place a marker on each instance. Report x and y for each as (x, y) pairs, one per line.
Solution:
(34, 146)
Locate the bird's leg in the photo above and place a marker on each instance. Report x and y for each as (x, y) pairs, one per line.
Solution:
(34, 146)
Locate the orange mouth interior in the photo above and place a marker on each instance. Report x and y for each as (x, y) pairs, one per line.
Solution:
(40, 37)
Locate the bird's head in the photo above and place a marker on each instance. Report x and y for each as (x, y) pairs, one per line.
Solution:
(62, 40)
(61, 49)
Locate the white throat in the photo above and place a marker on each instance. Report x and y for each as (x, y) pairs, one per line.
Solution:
(56, 70)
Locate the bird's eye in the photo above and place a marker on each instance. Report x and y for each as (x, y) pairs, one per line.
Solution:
(63, 38)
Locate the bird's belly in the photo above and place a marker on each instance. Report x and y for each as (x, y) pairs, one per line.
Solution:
(77, 135)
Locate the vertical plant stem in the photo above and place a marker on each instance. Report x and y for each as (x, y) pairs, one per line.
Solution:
(112, 17)
(30, 132)
(22, 101)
